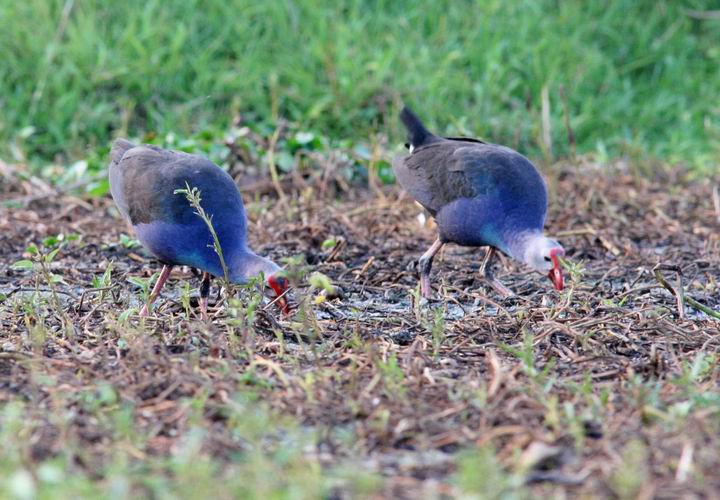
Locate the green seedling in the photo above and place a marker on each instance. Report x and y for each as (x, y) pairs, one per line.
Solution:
(480, 474)
(104, 281)
(320, 282)
(575, 270)
(392, 375)
(144, 285)
(329, 243)
(696, 371)
(436, 327)
(185, 299)
(60, 240)
(526, 354)
(630, 475)
(128, 242)
(242, 313)
(39, 264)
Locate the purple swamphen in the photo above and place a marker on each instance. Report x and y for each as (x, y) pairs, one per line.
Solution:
(143, 182)
(480, 195)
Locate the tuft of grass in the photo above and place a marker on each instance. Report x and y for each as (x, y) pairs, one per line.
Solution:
(632, 472)
(144, 284)
(481, 475)
(272, 461)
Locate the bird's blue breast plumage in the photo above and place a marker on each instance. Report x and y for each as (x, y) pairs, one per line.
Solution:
(191, 244)
(470, 222)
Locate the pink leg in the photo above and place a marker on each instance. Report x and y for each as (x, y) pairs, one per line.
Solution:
(486, 270)
(164, 274)
(425, 264)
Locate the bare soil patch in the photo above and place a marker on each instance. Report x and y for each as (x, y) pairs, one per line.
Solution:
(570, 390)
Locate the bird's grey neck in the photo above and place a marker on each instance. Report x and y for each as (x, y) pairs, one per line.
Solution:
(517, 244)
(248, 265)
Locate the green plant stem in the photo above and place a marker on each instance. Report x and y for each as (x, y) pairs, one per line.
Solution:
(193, 195)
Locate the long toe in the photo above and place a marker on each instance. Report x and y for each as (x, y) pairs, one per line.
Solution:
(425, 288)
(204, 309)
(504, 291)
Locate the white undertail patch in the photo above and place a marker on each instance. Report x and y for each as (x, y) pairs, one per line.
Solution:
(421, 219)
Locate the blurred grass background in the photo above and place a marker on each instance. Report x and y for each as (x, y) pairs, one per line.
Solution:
(628, 77)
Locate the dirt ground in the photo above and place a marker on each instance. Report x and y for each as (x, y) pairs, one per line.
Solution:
(609, 388)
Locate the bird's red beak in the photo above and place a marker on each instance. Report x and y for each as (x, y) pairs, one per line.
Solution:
(280, 287)
(555, 274)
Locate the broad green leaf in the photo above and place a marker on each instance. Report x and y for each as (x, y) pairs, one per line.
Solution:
(22, 265)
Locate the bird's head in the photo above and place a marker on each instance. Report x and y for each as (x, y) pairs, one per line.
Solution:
(543, 255)
(250, 265)
(277, 290)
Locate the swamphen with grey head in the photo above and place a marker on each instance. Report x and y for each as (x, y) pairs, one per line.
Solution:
(143, 182)
(480, 195)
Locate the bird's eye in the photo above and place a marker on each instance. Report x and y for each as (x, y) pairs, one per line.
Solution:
(547, 259)
(407, 145)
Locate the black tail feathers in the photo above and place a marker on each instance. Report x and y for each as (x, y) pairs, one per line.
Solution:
(418, 135)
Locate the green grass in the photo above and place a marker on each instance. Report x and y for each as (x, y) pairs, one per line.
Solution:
(641, 77)
(272, 465)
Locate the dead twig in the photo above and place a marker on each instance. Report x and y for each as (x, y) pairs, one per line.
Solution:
(575, 232)
(78, 308)
(679, 294)
(495, 369)
(684, 466)
(16, 355)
